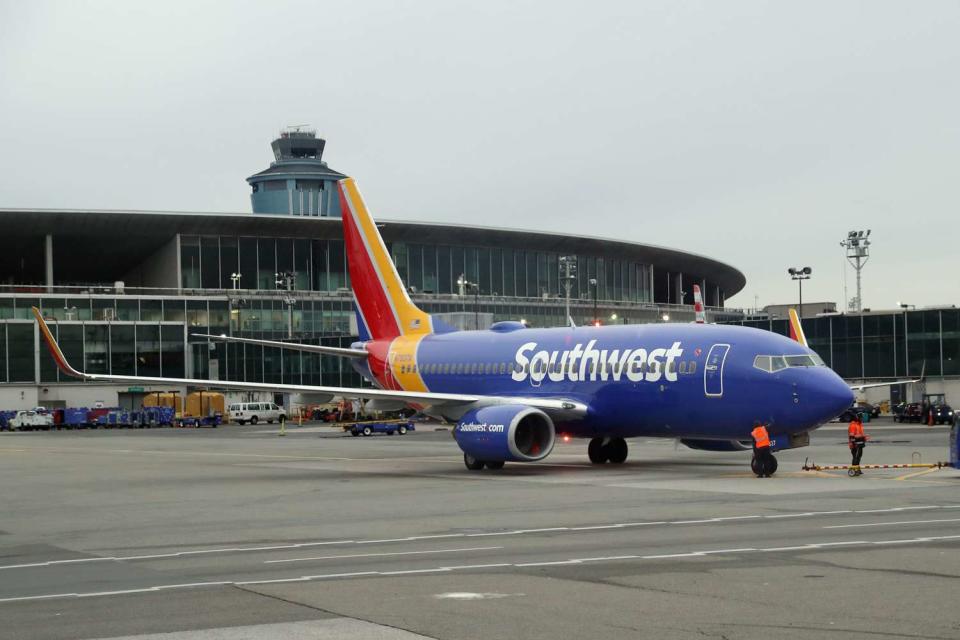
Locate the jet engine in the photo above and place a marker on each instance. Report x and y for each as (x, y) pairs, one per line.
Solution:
(716, 445)
(511, 433)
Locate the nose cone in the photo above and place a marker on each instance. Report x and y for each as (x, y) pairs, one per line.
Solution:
(832, 395)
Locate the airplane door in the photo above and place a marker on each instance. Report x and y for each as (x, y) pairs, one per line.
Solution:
(713, 370)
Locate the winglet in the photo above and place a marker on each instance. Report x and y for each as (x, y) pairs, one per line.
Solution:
(796, 329)
(698, 305)
(54, 348)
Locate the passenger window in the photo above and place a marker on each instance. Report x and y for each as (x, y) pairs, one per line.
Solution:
(503, 368)
(683, 366)
(671, 367)
(693, 367)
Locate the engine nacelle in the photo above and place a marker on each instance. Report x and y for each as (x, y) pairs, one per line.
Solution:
(511, 433)
(716, 445)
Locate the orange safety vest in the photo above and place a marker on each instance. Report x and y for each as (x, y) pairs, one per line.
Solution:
(761, 437)
(855, 432)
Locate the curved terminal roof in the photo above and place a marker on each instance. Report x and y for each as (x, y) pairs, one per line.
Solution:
(125, 236)
(305, 167)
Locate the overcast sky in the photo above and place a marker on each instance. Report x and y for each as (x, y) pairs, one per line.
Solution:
(757, 133)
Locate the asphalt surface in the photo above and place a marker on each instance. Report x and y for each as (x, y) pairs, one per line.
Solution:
(237, 533)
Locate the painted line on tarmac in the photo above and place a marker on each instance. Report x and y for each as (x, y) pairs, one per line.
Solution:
(884, 524)
(814, 546)
(379, 555)
(510, 532)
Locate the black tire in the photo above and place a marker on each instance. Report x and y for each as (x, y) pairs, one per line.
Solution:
(472, 463)
(354, 432)
(616, 451)
(254, 419)
(770, 467)
(367, 431)
(241, 422)
(495, 465)
(402, 429)
(596, 451)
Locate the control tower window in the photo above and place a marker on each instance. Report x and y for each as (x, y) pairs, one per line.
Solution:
(275, 185)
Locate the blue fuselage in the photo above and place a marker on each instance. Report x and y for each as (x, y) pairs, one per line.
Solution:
(661, 380)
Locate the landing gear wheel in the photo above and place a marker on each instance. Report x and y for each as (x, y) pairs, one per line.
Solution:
(596, 451)
(472, 463)
(495, 465)
(761, 470)
(617, 450)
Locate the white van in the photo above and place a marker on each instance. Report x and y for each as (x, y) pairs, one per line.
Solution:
(254, 412)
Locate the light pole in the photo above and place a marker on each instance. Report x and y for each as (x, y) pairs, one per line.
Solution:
(800, 274)
(593, 285)
(568, 273)
(857, 245)
(285, 281)
(235, 277)
(462, 285)
(906, 335)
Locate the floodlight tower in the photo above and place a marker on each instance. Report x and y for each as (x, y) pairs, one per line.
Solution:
(800, 274)
(857, 245)
(568, 274)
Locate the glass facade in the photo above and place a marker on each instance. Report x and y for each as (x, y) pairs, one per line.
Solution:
(882, 345)
(207, 262)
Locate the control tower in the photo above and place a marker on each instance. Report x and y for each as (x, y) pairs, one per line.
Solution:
(298, 181)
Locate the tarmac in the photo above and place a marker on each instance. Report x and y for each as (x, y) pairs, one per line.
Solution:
(236, 533)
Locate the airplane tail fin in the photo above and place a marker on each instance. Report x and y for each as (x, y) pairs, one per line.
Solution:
(383, 307)
(796, 329)
(698, 305)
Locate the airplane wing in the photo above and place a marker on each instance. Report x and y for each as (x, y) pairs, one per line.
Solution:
(861, 387)
(292, 346)
(453, 404)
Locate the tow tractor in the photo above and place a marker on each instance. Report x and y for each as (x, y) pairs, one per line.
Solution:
(368, 428)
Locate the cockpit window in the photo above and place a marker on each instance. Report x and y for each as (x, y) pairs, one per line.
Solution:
(771, 364)
(802, 361)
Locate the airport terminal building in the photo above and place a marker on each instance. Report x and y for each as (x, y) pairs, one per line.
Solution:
(127, 289)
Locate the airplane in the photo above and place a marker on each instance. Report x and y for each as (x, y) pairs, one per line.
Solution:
(512, 390)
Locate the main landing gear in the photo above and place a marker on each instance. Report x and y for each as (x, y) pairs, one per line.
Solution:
(602, 450)
(476, 465)
(764, 466)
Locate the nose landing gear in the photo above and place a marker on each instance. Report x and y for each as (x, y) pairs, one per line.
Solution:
(763, 466)
(601, 450)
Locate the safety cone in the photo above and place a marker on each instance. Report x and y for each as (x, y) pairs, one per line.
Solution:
(283, 426)
(930, 418)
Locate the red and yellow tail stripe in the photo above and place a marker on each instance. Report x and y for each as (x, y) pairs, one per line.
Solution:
(796, 329)
(380, 294)
(53, 347)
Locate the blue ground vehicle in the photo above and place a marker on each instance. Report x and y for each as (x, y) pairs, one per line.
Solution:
(390, 427)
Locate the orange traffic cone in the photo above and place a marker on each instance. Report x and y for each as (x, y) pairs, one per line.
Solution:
(930, 418)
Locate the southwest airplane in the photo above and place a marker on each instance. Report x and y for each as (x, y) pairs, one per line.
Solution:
(511, 390)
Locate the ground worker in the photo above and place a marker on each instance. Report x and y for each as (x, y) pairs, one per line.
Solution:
(761, 450)
(857, 439)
